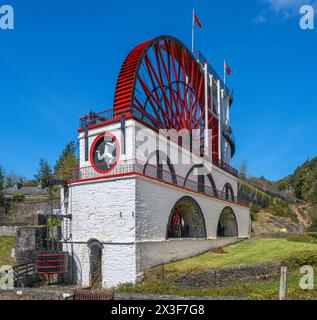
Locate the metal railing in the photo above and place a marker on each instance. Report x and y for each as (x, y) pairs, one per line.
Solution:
(227, 132)
(224, 166)
(96, 117)
(272, 192)
(138, 167)
(201, 58)
(153, 122)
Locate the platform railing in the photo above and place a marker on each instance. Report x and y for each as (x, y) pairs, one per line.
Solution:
(96, 117)
(151, 121)
(201, 58)
(138, 167)
(228, 134)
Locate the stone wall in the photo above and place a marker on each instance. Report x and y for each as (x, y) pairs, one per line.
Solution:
(34, 294)
(26, 212)
(231, 275)
(28, 239)
(8, 230)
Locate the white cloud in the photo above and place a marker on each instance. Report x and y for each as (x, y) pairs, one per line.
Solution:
(283, 9)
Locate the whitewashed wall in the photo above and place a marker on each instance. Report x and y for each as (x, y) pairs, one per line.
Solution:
(103, 210)
(129, 215)
(155, 201)
(160, 252)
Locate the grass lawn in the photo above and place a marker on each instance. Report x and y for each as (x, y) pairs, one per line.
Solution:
(251, 251)
(6, 246)
(266, 290)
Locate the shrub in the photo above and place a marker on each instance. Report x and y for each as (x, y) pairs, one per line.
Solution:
(307, 238)
(18, 196)
(313, 226)
(299, 259)
(254, 210)
(281, 208)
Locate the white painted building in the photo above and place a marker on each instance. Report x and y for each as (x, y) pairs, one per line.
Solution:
(142, 197)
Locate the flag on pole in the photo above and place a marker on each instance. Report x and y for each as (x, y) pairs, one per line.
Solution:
(227, 68)
(197, 21)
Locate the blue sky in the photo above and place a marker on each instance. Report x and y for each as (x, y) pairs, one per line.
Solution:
(63, 58)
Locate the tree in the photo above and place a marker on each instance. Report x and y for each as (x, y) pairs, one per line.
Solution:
(2, 178)
(44, 173)
(67, 162)
(243, 169)
(2, 181)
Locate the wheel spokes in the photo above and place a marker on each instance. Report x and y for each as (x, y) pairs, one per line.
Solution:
(173, 86)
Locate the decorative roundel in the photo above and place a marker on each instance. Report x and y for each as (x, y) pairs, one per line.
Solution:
(105, 153)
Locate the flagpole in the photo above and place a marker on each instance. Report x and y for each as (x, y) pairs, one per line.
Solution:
(224, 71)
(193, 30)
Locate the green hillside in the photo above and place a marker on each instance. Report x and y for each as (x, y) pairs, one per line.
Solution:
(303, 182)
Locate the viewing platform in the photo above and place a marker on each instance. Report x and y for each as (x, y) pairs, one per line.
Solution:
(96, 119)
(137, 167)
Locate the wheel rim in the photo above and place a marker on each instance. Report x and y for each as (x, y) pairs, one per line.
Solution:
(162, 83)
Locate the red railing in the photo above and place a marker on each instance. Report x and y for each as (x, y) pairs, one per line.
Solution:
(138, 167)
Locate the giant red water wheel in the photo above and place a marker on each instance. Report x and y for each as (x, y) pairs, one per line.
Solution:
(162, 83)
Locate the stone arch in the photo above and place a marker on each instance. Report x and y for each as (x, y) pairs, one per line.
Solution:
(212, 189)
(186, 220)
(95, 262)
(227, 224)
(227, 192)
(160, 172)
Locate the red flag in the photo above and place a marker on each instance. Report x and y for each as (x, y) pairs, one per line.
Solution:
(198, 21)
(227, 68)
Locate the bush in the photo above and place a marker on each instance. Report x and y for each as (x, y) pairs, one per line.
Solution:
(307, 238)
(254, 210)
(313, 226)
(18, 197)
(2, 198)
(300, 259)
(281, 208)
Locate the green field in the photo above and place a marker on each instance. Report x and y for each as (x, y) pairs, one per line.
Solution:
(251, 251)
(268, 290)
(6, 246)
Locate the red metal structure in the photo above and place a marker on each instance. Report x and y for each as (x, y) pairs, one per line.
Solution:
(52, 262)
(162, 83)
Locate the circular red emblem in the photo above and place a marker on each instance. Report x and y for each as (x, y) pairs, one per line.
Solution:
(105, 153)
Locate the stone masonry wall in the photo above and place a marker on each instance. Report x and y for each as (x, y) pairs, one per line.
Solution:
(230, 275)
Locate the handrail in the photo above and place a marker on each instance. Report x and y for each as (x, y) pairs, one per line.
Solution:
(139, 167)
(150, 120)
(201, 58)
(227, 132)
(270, 191)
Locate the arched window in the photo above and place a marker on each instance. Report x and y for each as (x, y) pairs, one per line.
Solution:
(186, 220)
(227, 225)
(157, 170)
(227, 192)
(205, 181)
